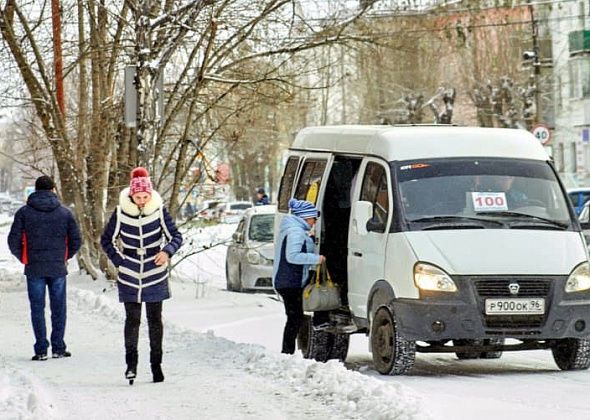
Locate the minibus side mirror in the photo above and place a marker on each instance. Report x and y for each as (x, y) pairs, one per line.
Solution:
(363, 211)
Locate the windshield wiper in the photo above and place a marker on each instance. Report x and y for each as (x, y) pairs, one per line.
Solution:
(450, 218)
(524, 215)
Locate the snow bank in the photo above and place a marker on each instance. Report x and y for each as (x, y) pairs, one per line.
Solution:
(22, 398)
(352, 394)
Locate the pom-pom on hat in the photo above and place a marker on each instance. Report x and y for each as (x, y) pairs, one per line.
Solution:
(140, 181)
(303, 209)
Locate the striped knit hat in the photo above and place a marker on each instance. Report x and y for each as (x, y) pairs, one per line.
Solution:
(303, 209)
(140, 181)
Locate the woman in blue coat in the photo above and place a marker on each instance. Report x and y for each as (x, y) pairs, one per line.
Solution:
(294, 256)
(139, 239)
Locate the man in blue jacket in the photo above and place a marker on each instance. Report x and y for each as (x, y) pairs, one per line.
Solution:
(43, 236)
(261, 197)
(294, 256)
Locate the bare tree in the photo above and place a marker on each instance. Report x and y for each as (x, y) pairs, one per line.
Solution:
(216, 56)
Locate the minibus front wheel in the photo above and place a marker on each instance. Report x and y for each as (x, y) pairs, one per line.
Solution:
(392, 354)
(572, 353)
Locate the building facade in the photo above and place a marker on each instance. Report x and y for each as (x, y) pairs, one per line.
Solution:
(570, 145)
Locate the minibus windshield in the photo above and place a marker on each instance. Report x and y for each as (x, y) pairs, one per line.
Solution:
(480, 193)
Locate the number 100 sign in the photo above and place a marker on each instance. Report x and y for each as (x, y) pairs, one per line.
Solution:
(489, 201)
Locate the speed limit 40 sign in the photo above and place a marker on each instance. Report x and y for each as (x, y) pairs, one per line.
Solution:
(542, 133)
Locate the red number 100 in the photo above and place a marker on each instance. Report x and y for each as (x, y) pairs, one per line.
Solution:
(489, 201)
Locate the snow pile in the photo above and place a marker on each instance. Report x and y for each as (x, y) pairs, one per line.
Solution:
(21, 398)
(11, 280)
(352, 394)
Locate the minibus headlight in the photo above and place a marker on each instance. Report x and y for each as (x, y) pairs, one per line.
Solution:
(579, 279)
(429, 277)
(253, 257)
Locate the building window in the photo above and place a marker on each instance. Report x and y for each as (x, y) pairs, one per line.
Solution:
(579, 69)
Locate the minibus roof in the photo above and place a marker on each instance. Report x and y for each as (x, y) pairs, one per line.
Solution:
(409, 142)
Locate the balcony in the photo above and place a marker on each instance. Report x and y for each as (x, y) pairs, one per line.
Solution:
(579, 42)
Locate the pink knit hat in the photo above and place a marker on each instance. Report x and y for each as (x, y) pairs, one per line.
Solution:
(140, 181)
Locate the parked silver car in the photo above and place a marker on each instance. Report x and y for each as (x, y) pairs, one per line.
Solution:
(584, 219)
(248, 265)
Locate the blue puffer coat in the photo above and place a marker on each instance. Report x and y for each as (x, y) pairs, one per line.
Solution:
(44, 235)
(131, 240)
(294, 254)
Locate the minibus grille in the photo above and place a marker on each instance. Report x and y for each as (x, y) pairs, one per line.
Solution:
(529, 287)
(504, 287)
(515, 321)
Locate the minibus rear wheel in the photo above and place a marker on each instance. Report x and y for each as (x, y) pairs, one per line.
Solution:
(392, 354)
(492, 342)
(339, 346)
(312, 343)
(467, 355)
(572, 353)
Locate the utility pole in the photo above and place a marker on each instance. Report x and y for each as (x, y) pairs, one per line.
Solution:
(536, 63)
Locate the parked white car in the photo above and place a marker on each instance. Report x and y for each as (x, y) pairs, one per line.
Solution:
(249, 257)
(233, 211)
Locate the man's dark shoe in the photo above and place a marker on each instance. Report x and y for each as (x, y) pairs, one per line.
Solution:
(64, 353)
(41, 356)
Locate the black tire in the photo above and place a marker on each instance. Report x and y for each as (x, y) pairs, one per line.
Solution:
(492, 354)
(238, 287)
(228, 282)
(392, 354)
(313, 344)
(468, 355)
(572, 353)
(339, 347)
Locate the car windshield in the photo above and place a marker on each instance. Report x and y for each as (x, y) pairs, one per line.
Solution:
(481, 193)
(240, 206)
(261, 228)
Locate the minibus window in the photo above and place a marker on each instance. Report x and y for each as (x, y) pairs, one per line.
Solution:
(287, 183)
(374, 190)
(309, 182)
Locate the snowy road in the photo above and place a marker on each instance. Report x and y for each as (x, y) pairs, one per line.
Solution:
(222, 361)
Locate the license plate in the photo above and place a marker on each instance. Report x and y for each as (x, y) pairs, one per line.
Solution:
(517, 306)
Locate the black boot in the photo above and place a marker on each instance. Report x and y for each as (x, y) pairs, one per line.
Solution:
(131, 360)
(157, 373)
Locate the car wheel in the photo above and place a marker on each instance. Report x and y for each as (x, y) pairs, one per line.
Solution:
(228, 283)
(572, 353)
(239, 287)
(313, 343)
(339, 347)
(492, 354)
(466, 355)
(392, 354)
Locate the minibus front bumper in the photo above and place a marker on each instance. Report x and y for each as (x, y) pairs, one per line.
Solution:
(539, 310)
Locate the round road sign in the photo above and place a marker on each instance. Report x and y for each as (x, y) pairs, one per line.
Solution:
(542, 133)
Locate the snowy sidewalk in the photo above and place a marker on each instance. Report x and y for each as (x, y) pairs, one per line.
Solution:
(91, 385)
(206, 376)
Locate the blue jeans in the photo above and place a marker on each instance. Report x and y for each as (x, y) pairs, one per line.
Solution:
(57, 302)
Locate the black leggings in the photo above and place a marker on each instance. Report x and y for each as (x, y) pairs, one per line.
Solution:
(155, 327)
(293, 300)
